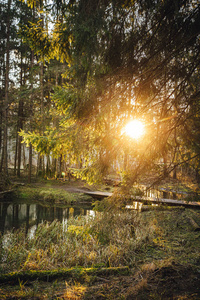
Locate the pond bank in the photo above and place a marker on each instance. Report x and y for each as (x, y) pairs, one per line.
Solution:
(3, 193)
(51, 193)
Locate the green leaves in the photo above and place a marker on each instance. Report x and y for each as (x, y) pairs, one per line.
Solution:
(43, 144)
(38, 39)
(123, 60)
(66, 99)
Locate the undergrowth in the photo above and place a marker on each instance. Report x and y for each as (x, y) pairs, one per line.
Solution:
(161, 248)
(110, 239)
(106, 240)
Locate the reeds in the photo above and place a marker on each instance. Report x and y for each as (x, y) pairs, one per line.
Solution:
(109, 239)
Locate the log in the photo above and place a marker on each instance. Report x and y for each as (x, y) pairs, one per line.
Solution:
(76, 273)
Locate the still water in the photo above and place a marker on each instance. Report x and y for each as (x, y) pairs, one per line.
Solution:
(14, 216)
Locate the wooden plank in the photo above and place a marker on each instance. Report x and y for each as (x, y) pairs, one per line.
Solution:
(100, 195)
(168, 201)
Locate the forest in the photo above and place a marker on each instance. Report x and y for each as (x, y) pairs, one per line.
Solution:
(74, 73)
(102, 95)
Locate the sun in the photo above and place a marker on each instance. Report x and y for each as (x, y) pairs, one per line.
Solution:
(135, 129)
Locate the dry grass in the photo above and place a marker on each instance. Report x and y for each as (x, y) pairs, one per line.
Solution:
(110, 239)
(161, 247)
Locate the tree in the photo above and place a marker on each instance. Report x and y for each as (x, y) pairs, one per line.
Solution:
(6, 99)
(125, 59)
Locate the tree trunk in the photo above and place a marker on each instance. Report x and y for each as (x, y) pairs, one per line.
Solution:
(165, 173)
(174, 174)
(5, 106)
(30, 164)
(1, 124)
(20, 123)
(20, 116)
(24, 157)
(54, 164)
(16, 148)
(1, 166)
(31, 111)
(48, 167)
(42, 95)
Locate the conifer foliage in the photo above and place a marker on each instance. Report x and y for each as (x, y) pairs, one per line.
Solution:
(98, 65)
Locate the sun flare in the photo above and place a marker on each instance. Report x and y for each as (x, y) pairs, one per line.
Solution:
(135, 129)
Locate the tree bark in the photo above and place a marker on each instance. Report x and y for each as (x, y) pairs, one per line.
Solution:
(30, 164)
(16, 149)
(20, 122)
(5, 106)
(20, 116)
(31, 111)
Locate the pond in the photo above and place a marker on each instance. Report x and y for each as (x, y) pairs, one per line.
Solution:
(15, 216)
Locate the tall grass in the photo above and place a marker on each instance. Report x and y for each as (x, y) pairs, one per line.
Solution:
(109, 239)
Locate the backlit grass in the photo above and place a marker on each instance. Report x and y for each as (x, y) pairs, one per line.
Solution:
(161, 249)
(111, 239)
(106, 240)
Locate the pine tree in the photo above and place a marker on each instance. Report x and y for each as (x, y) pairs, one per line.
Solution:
(6, 99)
(125, 59)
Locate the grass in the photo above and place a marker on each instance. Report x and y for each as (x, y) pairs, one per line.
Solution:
(49, 195)
(160, 247)
(107, 240)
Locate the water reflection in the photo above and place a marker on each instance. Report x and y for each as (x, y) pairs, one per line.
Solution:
(18, 215)
(162, 193)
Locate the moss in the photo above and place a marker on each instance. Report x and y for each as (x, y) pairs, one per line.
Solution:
(76, 273)
(49, 195)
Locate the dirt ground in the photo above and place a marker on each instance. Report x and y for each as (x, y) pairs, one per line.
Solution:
(168, 282)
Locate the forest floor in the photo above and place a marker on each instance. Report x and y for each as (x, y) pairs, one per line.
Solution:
(170, 281)
(168, 269)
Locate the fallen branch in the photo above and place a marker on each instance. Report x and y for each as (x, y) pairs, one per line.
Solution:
(77, 273)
